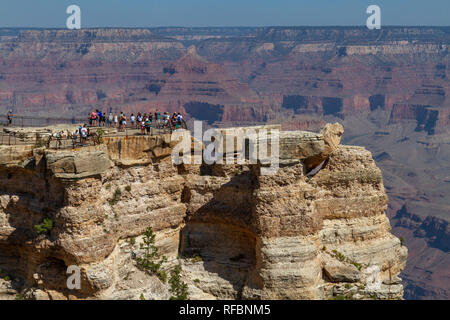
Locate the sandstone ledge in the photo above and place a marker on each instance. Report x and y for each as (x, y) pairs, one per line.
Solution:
(289, 236)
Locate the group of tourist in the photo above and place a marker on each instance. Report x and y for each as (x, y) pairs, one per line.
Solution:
(144, 122)
(81, 133)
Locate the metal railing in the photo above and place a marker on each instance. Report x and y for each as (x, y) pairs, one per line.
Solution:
(37, 121)
(64, 139)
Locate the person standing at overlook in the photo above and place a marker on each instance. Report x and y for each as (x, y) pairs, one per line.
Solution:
(84, 134)
(179, 120)
(100, 118)
(133, 121)
(93, 118)
(110, 119)
(173, 120)
(9, 117)
(165, 119)
(157, 117)
(120, 121)
(142, 123)
(124, 122)
(148, 126)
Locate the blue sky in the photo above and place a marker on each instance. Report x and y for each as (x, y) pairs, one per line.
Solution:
(200, 13)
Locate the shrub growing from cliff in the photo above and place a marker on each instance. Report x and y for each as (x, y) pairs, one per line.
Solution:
(178, 288)
(20, 296)
(45, 227)
(338, 255)
(99, 136)
(116, 197)
(150, 261)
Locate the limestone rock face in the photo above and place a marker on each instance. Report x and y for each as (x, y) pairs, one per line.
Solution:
(300, 145)
(339, 272)
(310, 148)
(13, 155)
(332, 134)
(78, 164)
(236, 232)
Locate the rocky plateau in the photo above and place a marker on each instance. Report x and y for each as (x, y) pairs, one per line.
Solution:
(387, 87)
(237, 233)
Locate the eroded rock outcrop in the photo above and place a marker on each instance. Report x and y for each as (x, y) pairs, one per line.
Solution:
(237, 233)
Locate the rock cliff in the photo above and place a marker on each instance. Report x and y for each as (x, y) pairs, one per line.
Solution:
(388, 88)
(298, 234)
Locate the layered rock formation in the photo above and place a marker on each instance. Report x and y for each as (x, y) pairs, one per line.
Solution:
(239, 75)
(415, 171)
(237, 233)
(388, 87)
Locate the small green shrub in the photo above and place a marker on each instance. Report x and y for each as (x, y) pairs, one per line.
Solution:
(339, 255)
(343, 258)
(357, 265)
(127, 276)
(402, 241)
(162, 275)
(128, 188)
(45, 227)
(150, 261)
(116, 197)
(178, 288)
(108, 186)
(100, 134)
(196, 258)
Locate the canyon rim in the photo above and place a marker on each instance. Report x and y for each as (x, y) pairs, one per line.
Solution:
(293, 236)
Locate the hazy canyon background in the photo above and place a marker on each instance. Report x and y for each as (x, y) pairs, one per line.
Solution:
(387, 87)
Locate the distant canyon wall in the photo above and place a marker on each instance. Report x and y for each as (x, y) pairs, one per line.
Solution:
(231, 74)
